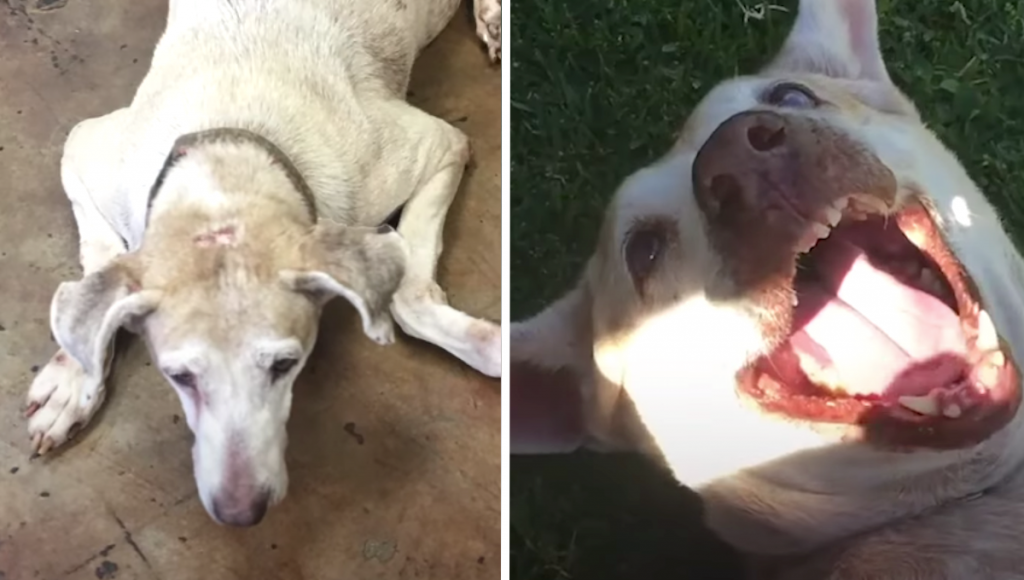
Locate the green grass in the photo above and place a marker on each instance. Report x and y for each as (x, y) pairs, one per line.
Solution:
(598, 89)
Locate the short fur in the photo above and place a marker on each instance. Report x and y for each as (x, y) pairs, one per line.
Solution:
(609, 367)
(241, 190)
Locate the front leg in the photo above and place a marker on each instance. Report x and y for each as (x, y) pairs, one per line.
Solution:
(487, 14)
(420, 306)
(63, 397)
(61, 400)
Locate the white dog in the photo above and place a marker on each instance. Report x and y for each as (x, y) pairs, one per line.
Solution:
(810, 312)
(241, 190)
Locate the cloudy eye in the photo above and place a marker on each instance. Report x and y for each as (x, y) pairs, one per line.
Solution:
(281, 367)
(642, 251)
(792, 96)
(184, 379)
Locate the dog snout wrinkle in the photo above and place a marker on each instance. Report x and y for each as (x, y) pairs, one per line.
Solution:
(763, 178)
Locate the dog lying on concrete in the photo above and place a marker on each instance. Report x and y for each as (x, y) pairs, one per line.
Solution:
(811, 314)
(242, 189)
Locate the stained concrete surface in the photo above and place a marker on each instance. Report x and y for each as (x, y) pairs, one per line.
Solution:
(395, 452)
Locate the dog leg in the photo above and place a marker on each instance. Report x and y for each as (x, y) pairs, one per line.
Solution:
(62, 399)
(420, 306)
(488, 25)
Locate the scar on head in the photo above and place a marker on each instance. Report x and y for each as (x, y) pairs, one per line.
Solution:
(225, 236)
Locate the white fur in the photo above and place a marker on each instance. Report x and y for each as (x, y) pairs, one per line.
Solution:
(488, 25)
(833, 508)
(325, 81)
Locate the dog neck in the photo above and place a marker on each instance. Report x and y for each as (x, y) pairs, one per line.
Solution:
(189, 142)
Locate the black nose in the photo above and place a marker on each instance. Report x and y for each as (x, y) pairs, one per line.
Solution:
(241, 509)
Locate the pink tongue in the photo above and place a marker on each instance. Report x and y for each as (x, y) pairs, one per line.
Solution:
(871, 327)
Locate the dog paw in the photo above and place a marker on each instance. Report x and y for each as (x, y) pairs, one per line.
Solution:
(60, 402)
(488, 26)
(484, 353)
(381, 331)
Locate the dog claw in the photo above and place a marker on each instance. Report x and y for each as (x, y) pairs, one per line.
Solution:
(31, 409)
(47, 446)
(37, 439)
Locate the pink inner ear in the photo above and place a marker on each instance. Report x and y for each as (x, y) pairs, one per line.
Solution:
(546, 410)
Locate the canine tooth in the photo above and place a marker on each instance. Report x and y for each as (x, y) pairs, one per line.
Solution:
(987, 374)
(794, 300)
(997, 359)
(922, 405)
(987, 337)
(872, 203)
(952, 411)
(821, 230)
(833, 215)
(841, 203)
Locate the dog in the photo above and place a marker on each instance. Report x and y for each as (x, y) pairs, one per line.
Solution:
(487, 17)
(811, 315)
(243, 188)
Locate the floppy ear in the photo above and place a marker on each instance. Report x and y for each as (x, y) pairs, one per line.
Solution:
(838, 38)
(85, 315)
(551, 366)
(362, 265)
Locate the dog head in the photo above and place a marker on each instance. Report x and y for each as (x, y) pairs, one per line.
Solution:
(227, 289)
(807, 294)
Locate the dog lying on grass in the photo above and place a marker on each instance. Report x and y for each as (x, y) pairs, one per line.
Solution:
(811, 314)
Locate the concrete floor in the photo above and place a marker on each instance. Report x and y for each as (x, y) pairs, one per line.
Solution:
(395, 453)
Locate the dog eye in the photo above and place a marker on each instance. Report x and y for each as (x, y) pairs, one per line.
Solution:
(184, 379)
(282, 366)
(642, 250)
(792, 96)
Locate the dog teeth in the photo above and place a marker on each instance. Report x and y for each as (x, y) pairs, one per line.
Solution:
(922, 405)
(821, 230)
(809, 240)
(833, 215)
(997, 359)
(952, 411)
(987, 337)
(871, 202)
(841, 203)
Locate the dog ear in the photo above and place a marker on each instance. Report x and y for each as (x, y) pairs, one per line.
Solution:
(838, 38)
(551, 367)
(362, 265)
(85, 315)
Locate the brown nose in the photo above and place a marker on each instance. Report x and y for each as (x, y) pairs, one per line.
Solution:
(746, 165)
(762, 178)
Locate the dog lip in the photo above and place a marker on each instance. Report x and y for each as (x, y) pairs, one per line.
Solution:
(886, 424)
(883, 427)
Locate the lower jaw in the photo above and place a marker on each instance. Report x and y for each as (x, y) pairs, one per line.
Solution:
(884, 423)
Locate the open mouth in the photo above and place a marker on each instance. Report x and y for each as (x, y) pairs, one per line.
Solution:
(888, 333)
